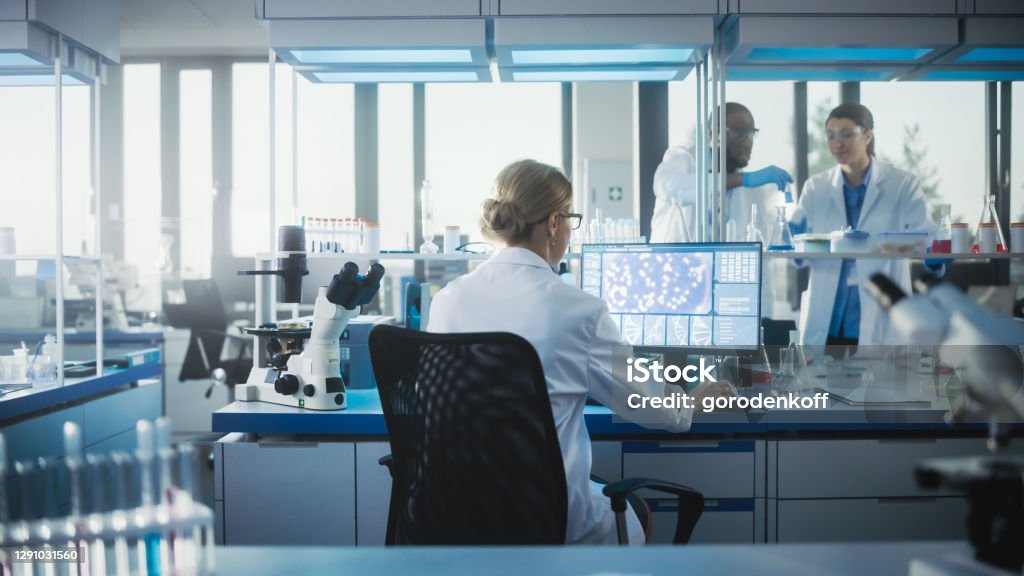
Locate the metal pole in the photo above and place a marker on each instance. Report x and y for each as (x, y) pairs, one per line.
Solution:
(97, 197)
(800, 133)
(58, 82)
(295, 150)
(700, 151)
(849, 92)
(272, 165)
(1004, 196)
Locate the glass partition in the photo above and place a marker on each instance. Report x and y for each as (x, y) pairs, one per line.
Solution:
(936, 130)
(474, 130)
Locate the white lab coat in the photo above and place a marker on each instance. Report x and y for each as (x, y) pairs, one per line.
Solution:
(894, 202)
(674, 220)
(516, 291)
(675, 195)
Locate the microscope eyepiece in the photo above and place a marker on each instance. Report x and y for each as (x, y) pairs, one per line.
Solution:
(348, 272)
(886, 292)
(375, 274)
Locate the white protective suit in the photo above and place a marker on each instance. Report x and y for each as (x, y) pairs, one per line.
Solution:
(516, 291)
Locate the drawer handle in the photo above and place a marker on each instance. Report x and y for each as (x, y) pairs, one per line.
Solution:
(288, 444)
(908, 500)
(690, 444)
(908, 441)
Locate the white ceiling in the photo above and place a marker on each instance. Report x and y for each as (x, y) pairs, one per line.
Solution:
(191, 27)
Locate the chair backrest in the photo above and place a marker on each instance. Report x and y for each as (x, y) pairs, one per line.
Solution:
(476, 458)
(203, 313)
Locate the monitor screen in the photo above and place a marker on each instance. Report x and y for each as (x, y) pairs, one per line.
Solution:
(679, 295)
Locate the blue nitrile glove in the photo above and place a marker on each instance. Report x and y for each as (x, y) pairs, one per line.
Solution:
(936, 266)
(768, 175)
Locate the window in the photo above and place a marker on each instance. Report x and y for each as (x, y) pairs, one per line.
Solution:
(473, 131)
(935, 130)
(196, 157)
(682, 110)
(325, 133)
(250, 137)
(27, 146)
(144, 246)
(396, 189)
(771, 104)
(822, 97)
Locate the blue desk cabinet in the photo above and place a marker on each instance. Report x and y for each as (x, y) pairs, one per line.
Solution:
(831, 490)
(725, 471)
(107, 423)
(287, 492)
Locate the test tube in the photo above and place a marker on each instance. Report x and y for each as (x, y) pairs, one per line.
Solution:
(95, 468)
(125, 549)
(191, 548)
(165, 457)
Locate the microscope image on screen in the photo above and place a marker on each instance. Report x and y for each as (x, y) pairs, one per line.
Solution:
(678, 295)
(657, 283)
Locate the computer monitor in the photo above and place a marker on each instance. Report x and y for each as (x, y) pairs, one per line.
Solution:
(700, 296)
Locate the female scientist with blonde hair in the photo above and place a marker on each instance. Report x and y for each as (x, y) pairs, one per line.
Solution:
(517, 291)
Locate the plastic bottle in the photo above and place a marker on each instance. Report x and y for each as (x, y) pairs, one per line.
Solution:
(371, 238)
(45, 363)
(942, 242)
(20, 368)
(451, 239)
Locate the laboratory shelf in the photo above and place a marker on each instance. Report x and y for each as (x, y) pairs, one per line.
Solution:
(45, 257)
(385, 256)
(785, 255)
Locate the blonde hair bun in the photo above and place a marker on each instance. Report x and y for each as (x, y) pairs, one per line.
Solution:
(525, 193)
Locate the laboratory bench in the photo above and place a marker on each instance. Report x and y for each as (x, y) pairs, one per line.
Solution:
(105, 407)
(80, 345)
(842, 474)
(846, 559)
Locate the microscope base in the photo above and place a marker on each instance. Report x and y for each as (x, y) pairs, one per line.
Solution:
(258, 389)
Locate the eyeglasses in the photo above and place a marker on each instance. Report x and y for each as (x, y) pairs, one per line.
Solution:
(476, 248)
(575, 220)
(742, 133)
(843, 135)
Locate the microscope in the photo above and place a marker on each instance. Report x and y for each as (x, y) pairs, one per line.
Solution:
(309, 375)
(303, 356)
(987, 348)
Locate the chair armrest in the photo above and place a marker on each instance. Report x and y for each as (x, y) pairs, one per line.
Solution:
(618, 491)
(691, 502)
(387, 460)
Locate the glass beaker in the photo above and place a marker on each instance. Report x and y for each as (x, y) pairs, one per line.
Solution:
(781, 238)
(988, 226)
(427, 218)
(760, 366)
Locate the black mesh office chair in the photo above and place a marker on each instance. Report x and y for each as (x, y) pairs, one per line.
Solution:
(203, 313)
(475, 458)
